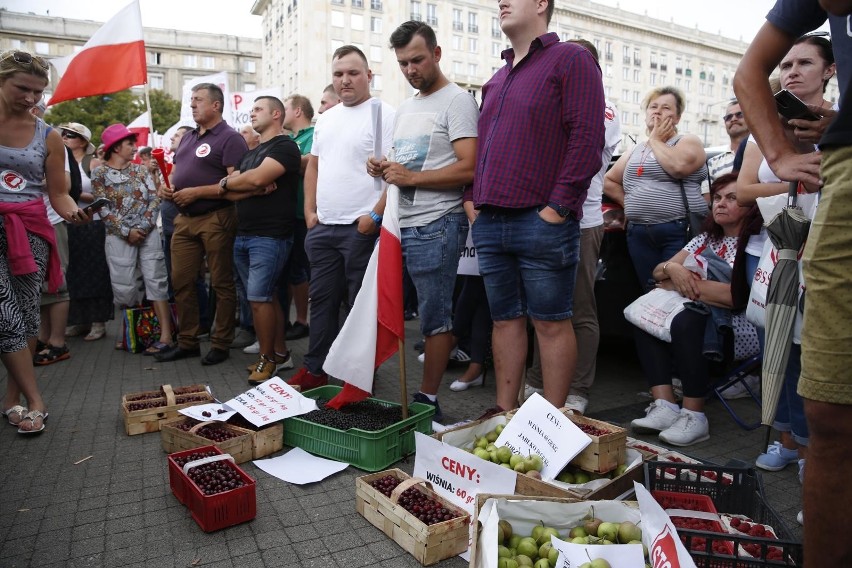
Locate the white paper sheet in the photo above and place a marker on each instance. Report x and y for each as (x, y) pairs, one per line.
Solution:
(299, 467)
(270, 402)
(197, 412)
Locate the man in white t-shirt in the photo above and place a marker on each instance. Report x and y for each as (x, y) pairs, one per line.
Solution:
(585, 320)
(723, 163)
(434, 158)
(343, 206)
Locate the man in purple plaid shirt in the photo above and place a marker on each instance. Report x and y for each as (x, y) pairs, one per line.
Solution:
(539, 146)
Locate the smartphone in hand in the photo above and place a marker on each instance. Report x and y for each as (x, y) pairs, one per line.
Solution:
(97, 204)
(792, 107)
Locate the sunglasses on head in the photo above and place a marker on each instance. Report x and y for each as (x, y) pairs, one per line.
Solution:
(730, 117)
(24, 58)
(71, 135)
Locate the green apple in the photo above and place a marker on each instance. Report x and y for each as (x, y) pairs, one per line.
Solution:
(507, 466)
(524, 560)
(553, 556)
(515, 460)
(628, 531)
(502, 552)
(537, 462)
(521, 467)
(528, 547)
(565, 476)
(600, 563)
(514, 541)
(537, 530)
(620, 470)
(546, 534)
(542, 563)
(491, 436)
(580, 540)
(490, 448)
(504, 454)
(608, 531)
(577, 531)
(481, 442)
(581, 477)
(544, 549)
(480, 453)
(499, 428)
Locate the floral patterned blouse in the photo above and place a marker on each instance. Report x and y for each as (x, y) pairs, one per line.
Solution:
(133, 196)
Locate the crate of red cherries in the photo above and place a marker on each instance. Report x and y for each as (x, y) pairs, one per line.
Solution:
(217, 492)
(184, 433)
(426, 525)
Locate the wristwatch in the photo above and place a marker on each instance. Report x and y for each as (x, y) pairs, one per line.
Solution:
(563, 211)
(223, 183)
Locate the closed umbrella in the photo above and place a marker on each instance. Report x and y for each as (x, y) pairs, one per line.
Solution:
(788, 231)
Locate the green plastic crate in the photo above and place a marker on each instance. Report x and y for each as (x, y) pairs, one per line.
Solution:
(370, 451)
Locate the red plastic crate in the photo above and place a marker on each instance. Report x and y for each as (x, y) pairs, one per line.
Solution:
(177, 480)
(689, 501)
(214, 512)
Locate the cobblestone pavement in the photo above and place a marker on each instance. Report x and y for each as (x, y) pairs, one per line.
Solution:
(116, 509)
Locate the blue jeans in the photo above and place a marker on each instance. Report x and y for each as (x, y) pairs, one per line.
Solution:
(649, 245)
(259, 262)
(432, 257)
(790, 414)
(529, 265)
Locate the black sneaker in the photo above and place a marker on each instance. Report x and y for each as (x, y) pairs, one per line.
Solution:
(298, 331)
(420, 397)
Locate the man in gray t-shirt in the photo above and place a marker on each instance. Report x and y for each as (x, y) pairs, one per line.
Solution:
(433, 159)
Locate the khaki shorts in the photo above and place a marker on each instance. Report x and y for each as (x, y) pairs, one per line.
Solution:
(827, 331)
(61, 231)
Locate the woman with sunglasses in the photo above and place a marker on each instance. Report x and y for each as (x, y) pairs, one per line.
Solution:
(32, 159)
(87, 273)
(804, 71)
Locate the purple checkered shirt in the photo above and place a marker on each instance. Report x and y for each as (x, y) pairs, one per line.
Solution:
(540, 131)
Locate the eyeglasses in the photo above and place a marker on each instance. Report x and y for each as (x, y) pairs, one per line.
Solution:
(24, 58)
(732, 116)
(71, 135)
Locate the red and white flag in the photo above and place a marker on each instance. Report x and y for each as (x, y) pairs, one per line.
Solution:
(111, 61)
(141, 126)
(371, 333)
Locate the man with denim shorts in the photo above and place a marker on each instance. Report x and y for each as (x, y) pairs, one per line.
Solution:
(825, 383)
(433, 159)
(540, 143)
(264, 188)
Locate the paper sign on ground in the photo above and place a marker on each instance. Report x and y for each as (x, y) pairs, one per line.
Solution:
(213, 408)
(572, 555)
(270, 402)
(540, 428)
(299, 467)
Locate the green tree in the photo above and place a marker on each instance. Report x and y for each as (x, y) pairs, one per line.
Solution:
(100, 111)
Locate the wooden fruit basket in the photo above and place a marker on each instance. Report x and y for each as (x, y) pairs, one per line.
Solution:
(173, 439)
(428, 544)
(151, 419)
(266, 440)
(605, 452)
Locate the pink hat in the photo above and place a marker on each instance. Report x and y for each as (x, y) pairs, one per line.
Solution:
(115, 133)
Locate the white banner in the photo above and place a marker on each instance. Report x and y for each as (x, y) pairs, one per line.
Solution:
(468, 264)
(241, 103)
(221, 80)
(270, 402)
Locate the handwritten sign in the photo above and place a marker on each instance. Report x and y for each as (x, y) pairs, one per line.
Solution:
(270, 402)
(541, 428)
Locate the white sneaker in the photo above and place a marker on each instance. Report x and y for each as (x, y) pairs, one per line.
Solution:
(738, 390)
(529, 391)
(659, 416)
(286, 363)
(802, 471)
(801, 518)
(422, 357)
(577, 403)
(687, 430)
(252, 349)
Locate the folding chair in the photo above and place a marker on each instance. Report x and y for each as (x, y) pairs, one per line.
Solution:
(738, 375)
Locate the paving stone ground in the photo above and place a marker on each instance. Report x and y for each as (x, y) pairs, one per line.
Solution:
(116, 509)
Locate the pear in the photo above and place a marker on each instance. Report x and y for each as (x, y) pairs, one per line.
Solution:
(481, 442)
(515, 460)
(481, 453)
(600, 563)
(591, 526)
(508, 531)
(528, 547)
(580, 540)
(577, 531)
(542, 563)
(546, 534)
(553, 556)
(502, 552)
(537, 530)
(534, 474)
(608, 531)
(628, 531)
(544, 549)
(514, 541)
(581, 477)
(499, 429)
(565, 476)
(492, 436)
(619, 471)
(523, 560)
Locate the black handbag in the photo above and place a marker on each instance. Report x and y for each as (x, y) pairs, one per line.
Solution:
(694, 220)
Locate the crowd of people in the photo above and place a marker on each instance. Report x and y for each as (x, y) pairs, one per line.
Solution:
(288, 211)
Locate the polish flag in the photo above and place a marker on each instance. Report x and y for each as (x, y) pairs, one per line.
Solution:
(371, 333)
(111, 61)
(141, 126)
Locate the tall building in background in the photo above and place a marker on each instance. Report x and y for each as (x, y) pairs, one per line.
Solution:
(174, 56)
(637, 53)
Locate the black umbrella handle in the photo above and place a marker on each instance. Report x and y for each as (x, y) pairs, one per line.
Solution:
(793, 194)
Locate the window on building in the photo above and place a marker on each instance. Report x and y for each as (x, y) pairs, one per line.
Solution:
(637, 57)
(637, 97)
(249, 87)
(338, 2)
(250, 66)
(358, 22)
(376, 82)
(155, 81)
(457, 42)
(458, 24)
(625, 117)
(337, 19)
(207, 62)
(376, 25)
(495, 28)
(701, 89)
(664, 61)
(473, 22)
(472, 69)
(679, 66)
(637, 76)
(625, 94)
(677, 82)
(416, 13)
(625, 54)
(190, 60)
(153, 58)
(432, 14)
(653, 60)
(16, 44)
(473, 45)
(376, 5)
(336, 43)
(457, 67)
(608, 70)
(42, 48)
(495, 49)
(376, 53)
(608, 54)
(625, 73)
(687, 85)
(635, 119)
(652, 79)
(597, 43)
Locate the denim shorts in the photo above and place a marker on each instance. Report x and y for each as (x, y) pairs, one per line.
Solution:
(529, 265)
(431, 255)
(259, 262)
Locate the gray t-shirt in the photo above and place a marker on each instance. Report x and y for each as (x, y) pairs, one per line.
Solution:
(22, 169)
(423, 137)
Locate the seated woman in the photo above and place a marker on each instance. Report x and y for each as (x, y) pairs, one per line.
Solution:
(688, 425)
(132, 238)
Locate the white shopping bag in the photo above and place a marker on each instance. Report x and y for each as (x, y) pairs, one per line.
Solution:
(653, 312)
